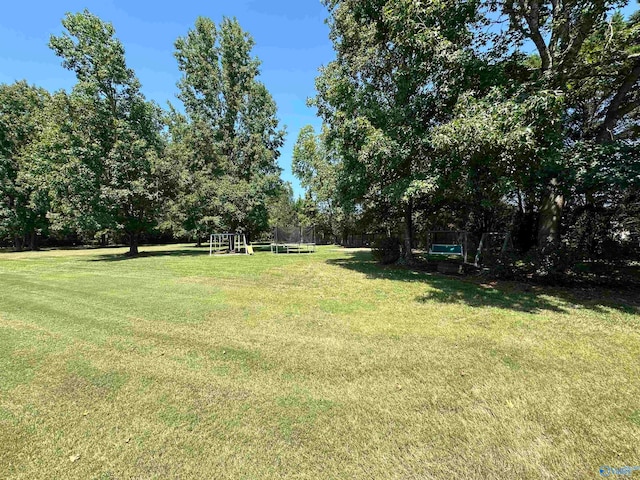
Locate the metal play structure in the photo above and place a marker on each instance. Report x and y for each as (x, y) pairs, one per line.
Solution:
(296, 239)
(229, 243)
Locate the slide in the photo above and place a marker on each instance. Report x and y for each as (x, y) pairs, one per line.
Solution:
(250, 249)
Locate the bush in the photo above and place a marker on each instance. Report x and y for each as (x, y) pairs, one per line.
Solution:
(386, 250)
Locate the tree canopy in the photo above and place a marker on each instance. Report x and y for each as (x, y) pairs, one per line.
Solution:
(439, 114)
(231, 138)
(109, 180)
(102, 159)
(492, 115)
(22, 205)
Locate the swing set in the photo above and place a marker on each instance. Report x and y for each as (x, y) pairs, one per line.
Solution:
(229, 243)
(452, 243)
(492, 246)
(448, 243)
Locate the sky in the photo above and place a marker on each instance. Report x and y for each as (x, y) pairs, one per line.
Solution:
(292, 42)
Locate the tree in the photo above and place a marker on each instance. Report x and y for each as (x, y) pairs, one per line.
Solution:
(233, 141)
(496, 148)
(318, 169)
(23, 201)
(399, 68)
(113, 175)
(602, 89)
(426, 109)
(282, 208)
(194, 212)
(592, 60)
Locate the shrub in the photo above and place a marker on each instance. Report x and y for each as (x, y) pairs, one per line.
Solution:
(386, 250)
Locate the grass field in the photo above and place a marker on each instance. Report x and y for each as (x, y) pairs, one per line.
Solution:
(180, 365)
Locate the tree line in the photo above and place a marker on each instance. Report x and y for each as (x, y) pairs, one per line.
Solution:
(488, 115)
(484, 116)
(103, 160)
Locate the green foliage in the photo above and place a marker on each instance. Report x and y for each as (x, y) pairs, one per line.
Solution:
(99, 158)
(318, 167)
(399, 69)
(23, 196)
(444, 121)
(589, 53)
(282, 208)
(434, 118)
(111, 177)
(498, 146)
(228, 142)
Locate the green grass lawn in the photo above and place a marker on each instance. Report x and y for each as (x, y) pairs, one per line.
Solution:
(180, 365)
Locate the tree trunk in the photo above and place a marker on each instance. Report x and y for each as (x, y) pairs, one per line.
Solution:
(550, 262)
(18, 243)
(133, 243)
(33, 241)
(198, 241)
(408, 233)
(103, 240)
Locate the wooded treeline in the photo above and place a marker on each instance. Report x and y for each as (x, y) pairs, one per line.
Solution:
(485, 116)
(102, 161)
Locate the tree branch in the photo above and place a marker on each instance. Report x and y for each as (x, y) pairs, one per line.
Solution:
(533, 22)
(555, 29)
(583, 27)
(617, 108)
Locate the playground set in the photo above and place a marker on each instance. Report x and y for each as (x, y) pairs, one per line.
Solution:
(456, 244)
(229, 243)
(296, 239)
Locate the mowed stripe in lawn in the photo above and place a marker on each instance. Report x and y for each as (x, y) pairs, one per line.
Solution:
(178, 365)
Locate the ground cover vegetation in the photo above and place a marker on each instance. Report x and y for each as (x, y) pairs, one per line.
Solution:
(174, 364)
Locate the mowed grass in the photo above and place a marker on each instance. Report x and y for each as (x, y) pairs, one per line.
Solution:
(180, 365)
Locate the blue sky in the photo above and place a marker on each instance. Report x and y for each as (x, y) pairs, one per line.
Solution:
(291, 41)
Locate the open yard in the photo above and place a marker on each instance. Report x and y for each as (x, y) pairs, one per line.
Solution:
(180, 365)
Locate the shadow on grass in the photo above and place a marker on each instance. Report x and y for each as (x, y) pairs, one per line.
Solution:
(118, 257)
(476, 291)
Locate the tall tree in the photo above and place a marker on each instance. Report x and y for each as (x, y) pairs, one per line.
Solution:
(494, 148)
(234, 140)
(113, 179)
(581, 49)
(399, 68)
(282, 208)
(23, 203)
(317, 168)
